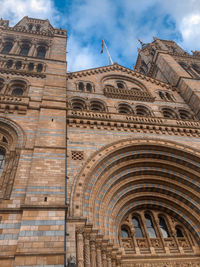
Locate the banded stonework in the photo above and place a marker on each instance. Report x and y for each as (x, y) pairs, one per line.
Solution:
(100, 167)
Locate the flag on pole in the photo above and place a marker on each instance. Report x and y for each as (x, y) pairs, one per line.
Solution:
(101, 46)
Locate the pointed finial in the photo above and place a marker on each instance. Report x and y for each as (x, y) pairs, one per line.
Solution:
(142, 44)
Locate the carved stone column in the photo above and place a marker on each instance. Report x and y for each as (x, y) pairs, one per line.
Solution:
(109, 261)
(15, 48)
(80, 259)
(137, 249)
(87, 249)
(104, 258)
(99, 259)
(93, 252)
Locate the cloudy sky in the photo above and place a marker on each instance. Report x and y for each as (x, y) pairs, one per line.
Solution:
(119, 22)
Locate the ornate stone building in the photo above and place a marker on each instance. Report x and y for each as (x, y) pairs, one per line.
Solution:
(98, 168)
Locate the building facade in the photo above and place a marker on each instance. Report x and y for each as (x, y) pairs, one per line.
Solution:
(98, 168)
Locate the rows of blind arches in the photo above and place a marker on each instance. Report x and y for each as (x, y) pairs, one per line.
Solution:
(80, 104)
(145, 229)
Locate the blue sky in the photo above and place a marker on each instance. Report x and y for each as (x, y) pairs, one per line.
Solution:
(119, 22)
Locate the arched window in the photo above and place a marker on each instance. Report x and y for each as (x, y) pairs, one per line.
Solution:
(7, 47)
(41, 51)
(17, 88)
(30, 66)
(2, 159)
(142, 111)
(179, 232)
(30, 27)
(89, 87)
(78, 104)
(17, 92)
(150, 227)
(120, 85)
(168, 113)
(24, 49)
(18, 65)
(138, 230)
(37, 28)
(81, 86)
(97, 106)
(184, 115)
(124, 109)
(161, 95)
(1, 84)
(168, 96)
(9, 63)
(124, 232)
(39, 67)
(163, 227)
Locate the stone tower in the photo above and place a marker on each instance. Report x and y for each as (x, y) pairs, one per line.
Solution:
(32, 143)
(100, 167)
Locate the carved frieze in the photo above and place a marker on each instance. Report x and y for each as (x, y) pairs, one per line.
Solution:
(11, 104)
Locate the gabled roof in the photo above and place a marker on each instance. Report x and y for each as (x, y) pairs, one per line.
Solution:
(115, 67)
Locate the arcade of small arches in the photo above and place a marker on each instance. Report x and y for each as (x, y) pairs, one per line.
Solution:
(97, 105)
(24, 48)
(138, 195)
(14, 87)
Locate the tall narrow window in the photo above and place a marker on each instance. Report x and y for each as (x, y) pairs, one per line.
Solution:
(2, 159)
(7, 47)
(150, 227)
(24, 49)
(41, 52)
(17, 92)
(81, 86)
(1, 84)
(124, 232)
(163, 227)
(179, 232)
(88, 87)
(138, 230)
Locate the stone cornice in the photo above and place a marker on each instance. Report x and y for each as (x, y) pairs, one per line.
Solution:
(116, 67)
(118, 122)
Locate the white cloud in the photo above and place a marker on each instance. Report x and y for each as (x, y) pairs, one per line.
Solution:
(14, 10)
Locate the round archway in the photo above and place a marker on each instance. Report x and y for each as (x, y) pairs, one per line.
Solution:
(139, 178)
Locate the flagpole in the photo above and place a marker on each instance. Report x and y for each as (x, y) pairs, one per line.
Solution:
(110, 59)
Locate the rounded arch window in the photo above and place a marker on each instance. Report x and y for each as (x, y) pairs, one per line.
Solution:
(168, 113)
(17, 92)
(120, 85)
(138, 229)
(2, 159)
(142, 111)
(97, 106)
(161, 94)
(41, 51)
(30, 27)
(18, 65)
(30, 66)
(37, 28)
(168, 96)
(89, 87)
(81, 86)
(163, 227)
(39, 68)
(124, 109)
(7, 47)
(78, 104)
(150, 226)
(17, 88)
(24, 49)
(9, 63)
(1, 84)
(179, 232)
(124, 232)
(184, 115)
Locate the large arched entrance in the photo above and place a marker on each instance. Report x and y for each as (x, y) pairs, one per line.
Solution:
(142, 198)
